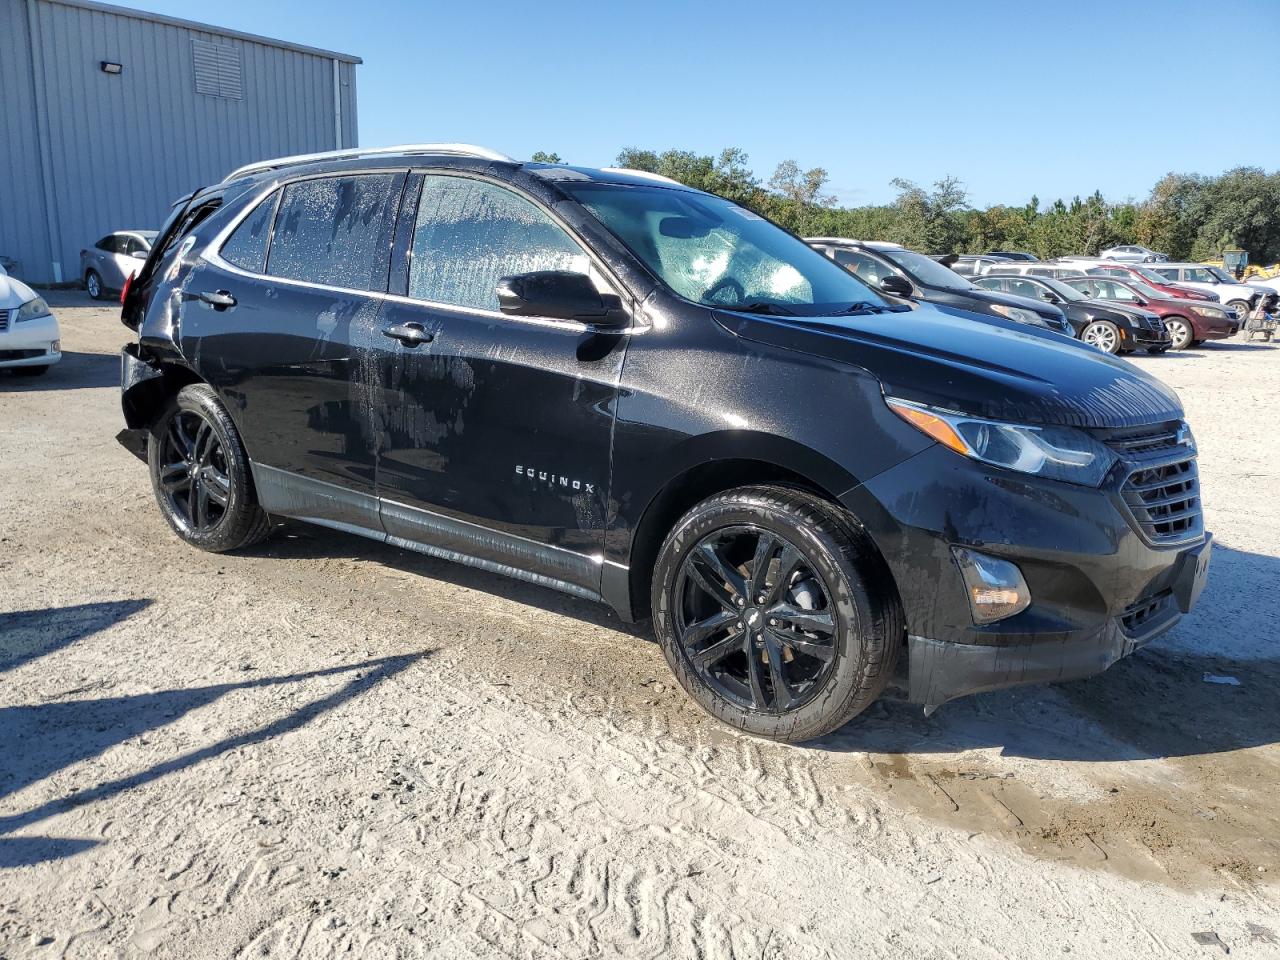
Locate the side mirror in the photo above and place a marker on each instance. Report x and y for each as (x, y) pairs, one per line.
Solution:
(139, 254)
(1048, 296)
(897, 286)
(561, 295)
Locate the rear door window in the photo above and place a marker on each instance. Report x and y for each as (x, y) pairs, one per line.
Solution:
(329, 231)
(1024, 288)
(246, 248)
(470, 234)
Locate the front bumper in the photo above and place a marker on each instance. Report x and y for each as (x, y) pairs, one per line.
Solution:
(31, 343)
(1142, 338)
(1099, 589)
(1210, 328)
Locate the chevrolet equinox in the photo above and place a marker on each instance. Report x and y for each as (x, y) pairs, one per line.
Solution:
(609, 384)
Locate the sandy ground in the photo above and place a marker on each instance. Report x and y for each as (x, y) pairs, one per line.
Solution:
(332, 747)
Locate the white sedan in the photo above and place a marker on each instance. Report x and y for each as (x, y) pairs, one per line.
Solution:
(1132, 253)
(30, 341)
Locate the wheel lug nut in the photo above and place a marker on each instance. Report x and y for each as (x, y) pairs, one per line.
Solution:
(741, 602)
(773, 623)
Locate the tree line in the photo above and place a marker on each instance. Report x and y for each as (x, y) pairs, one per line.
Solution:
(1187, 216)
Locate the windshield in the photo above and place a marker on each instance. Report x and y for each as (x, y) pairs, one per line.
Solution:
(1223, 275)
(1151, 276)
(719, 254)
(926, 270)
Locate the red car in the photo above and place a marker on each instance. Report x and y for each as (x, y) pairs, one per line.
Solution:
(1189, 321)
(1142, 274)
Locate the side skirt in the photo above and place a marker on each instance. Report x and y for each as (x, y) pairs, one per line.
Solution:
(288, 494)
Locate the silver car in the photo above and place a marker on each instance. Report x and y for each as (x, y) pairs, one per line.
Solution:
(112, 260)
(1132, 253)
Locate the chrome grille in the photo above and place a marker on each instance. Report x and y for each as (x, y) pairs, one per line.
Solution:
(4, 320)
(1162, 489)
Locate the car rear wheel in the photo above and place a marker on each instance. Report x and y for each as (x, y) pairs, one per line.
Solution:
(775, 612)
(93, 284)
(200, 474)
(1102, 334)
(1180, 332)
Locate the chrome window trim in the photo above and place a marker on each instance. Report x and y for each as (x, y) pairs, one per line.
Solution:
(212, 254)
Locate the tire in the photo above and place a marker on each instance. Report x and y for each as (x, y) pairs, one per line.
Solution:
(93, 284)
(1241, 307)
(1181, 332)
(32, 371)
(200, 474)
(1102, 334)
(839, 625)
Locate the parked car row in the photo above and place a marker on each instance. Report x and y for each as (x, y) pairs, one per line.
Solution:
(1025, 291)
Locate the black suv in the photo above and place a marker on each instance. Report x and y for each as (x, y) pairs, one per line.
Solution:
(1105, 324)
(610, 384)
(899, 272)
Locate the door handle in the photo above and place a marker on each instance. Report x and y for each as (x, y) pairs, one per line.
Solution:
(410, 334)
(218, 299)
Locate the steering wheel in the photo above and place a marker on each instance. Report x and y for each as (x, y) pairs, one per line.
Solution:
(726, 283)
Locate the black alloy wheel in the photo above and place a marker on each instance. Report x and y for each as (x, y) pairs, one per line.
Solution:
(776, 612)
(193, 471)
(201, 476)
(755, 619)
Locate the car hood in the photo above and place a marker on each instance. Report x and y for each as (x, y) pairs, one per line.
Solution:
(1118, 307)
(1009, 300)
(981, 366)
(13, 292)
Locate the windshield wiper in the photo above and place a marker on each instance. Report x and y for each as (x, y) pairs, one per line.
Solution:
(865, 306)
(761, 306)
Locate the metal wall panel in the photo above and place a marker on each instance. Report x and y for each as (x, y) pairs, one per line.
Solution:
(122, 147)
(23, 230)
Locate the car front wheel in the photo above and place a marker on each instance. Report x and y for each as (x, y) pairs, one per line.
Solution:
(1241, 308)
(775, 612)
(200, 474)
(93, 284)
(1179, 331)
(1102, 334)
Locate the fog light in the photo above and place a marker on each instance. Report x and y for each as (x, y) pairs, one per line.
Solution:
(55, 347)
(996, 588)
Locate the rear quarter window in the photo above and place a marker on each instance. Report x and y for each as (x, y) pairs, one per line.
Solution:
(328, 232)
(246, 248)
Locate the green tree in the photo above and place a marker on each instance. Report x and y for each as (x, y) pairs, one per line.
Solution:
(541, 156)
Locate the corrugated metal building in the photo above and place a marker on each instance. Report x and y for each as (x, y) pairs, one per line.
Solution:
(110, 114)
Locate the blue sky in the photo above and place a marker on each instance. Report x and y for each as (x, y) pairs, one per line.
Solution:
(1015, 99)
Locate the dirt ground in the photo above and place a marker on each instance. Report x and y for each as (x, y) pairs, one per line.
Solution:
(330, 747)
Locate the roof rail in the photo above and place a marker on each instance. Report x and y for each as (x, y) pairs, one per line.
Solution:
(407, 149)
(641, 173)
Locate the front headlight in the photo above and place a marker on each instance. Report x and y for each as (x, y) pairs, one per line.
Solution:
(32, 309)
(1019, 315)
(1217, 313)
(1059, 453)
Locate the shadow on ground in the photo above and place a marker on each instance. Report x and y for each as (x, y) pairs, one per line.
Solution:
(76, 371)
(1156, 703)
(28, 634)
(294, 540)
(38, 740)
